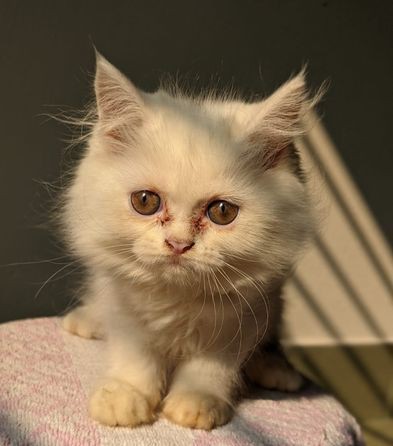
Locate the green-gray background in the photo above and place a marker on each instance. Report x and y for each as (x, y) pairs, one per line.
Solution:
(46, 64)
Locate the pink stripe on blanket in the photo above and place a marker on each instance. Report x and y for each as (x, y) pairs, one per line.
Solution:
(50, 390)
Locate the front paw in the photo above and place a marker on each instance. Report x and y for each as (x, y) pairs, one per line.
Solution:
(117, 403)
(81, 323)
(196, 410)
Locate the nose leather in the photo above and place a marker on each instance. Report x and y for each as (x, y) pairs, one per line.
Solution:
(179, 247)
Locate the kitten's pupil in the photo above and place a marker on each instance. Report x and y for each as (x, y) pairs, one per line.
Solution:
(145, 202)
(222, 212)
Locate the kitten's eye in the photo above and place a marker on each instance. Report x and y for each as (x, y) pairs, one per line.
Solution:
(145, 202)
(221, 212)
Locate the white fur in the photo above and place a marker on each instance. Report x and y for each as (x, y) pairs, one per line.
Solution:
(183, 329)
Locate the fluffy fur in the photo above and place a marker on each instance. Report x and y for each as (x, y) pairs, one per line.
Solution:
(182, 329)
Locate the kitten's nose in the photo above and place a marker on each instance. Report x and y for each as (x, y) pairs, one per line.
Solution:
(177, 246)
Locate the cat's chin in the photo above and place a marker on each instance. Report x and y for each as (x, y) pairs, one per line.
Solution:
(185, 266)
(176, 273)
(178, 269)
(178, 265)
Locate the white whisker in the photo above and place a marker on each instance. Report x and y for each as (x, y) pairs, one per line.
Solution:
(52, 276)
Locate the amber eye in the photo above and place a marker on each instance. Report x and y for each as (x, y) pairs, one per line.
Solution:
(145, 202)
(221, 212)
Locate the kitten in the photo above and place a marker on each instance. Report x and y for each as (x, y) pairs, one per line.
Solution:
(189, 215)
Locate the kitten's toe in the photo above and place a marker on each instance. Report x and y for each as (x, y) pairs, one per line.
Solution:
(117, 403)
(275, 374)
(196, 410)
(79, 322)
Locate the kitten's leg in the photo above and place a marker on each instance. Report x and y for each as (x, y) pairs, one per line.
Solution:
(268, 367)
(86, 319)
(201, 393)
(82, 321)
(131, 390)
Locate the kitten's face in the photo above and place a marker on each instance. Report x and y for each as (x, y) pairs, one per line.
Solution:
(173, 193)
(186, 189)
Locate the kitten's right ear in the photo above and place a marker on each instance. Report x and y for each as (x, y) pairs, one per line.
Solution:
(119, 104)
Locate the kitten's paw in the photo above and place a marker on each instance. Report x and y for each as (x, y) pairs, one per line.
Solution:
(275, 373)
(196, 410)
(80, 323)
(117, 403)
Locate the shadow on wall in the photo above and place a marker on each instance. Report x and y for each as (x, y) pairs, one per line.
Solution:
(340, 301)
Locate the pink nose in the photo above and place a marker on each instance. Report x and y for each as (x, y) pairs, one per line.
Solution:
(179, 247)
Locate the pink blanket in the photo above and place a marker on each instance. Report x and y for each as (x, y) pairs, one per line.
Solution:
(46, 375)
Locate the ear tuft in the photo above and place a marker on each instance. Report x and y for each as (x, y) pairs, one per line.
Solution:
(119, 104)
(275, 122)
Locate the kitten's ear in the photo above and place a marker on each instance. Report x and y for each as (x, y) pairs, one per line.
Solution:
(275, 122)
(119, 104)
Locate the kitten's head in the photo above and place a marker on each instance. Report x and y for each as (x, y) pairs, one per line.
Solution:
(172, 187)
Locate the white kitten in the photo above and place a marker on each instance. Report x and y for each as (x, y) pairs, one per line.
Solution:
(189, 215)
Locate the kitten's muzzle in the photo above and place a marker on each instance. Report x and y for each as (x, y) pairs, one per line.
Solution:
(179, 247)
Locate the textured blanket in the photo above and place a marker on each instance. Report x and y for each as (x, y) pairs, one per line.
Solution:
(46, 375)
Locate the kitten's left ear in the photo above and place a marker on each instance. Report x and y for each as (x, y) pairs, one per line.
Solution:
(119, 104)
(274, 123)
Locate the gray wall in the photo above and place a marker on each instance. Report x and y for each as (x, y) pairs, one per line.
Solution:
(46, 64)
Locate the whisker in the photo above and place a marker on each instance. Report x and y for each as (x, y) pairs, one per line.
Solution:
(52, 276)
(237, 316)
(262, 294)
(204, 301)
(230, 282)
(215, 312)
(254, 317)
(222, 315)
(36, 262)
(260, 290)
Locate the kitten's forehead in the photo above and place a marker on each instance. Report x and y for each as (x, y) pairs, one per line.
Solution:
(184, 158)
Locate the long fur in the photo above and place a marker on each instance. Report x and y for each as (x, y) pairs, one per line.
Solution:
(186, 327)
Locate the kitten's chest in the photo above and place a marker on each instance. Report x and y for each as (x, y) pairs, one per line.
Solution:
(169, 318)
(179, 323)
